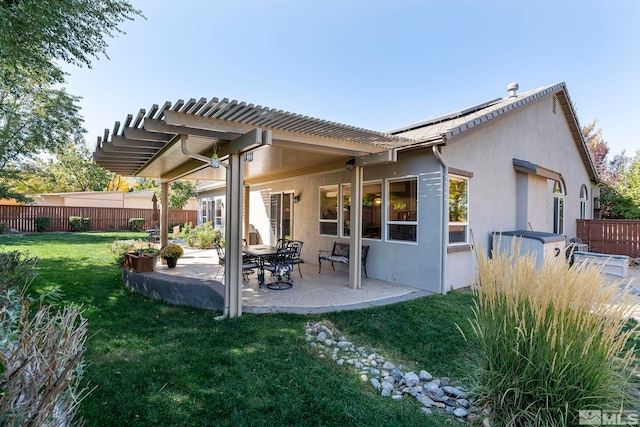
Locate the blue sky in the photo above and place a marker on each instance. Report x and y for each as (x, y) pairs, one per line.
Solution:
(371, 64)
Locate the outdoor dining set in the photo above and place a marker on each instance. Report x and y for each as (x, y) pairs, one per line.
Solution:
(279, 260)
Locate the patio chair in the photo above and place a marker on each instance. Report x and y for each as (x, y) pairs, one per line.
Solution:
(221, 257)
(248, 264)
(281, 266)
(296, 247)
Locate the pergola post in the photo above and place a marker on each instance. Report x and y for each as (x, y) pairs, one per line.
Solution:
(355, 232)
(164, 213)
(247, 206)
(233, 238)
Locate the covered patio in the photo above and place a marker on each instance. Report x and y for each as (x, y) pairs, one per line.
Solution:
(242, 145)
(198, 280)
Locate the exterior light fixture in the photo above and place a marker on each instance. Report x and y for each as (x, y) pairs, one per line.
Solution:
(350, 164)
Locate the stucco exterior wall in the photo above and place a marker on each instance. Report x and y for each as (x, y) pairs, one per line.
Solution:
(415, 264)
(534, 134)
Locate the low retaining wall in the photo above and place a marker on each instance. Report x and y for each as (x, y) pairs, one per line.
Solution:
(206, 294)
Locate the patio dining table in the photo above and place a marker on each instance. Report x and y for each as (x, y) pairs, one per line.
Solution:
(260, 253)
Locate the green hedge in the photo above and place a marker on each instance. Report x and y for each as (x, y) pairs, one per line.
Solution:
(136, 224)
(43, 223)
(78, 223)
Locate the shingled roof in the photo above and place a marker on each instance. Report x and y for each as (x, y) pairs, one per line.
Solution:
(441, 129)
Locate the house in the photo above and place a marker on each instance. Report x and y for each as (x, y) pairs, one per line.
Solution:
(430, 191)
(103, 199)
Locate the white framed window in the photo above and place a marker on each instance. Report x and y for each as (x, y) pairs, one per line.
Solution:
(458, 210)
(402, 209)
(371, 210)
(328, 211)
(345, 210)
(584, 197)
(203, 211)
(558, 207)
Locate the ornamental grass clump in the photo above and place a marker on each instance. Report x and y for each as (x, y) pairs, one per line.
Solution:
(553, 339)
(41, 352)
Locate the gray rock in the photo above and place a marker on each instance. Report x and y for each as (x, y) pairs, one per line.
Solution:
(413, 391)
(389, 379)
(385, 393)
(387, 386)
(411, 379)
(374, 371)
(425, 400)
(396, 397)
(463, 403)
(397, 374)
(460, 413)
(340, 362)
(321, 336)
(438, 393)
(327, 331)
(344, 344)
(430, 386)
(388, 365)
(454, 391)
(425, 376)
(426, 411)
(328, 342)
(375, 383)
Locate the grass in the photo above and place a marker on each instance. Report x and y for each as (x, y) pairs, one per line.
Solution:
(156, 364)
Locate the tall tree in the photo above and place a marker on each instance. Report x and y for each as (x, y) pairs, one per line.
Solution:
(118, 183)
(75, 166)
(36, 115)
(180, 191)
(598, 148)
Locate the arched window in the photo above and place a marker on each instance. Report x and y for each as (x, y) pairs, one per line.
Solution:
(558, 207)
(584, 196)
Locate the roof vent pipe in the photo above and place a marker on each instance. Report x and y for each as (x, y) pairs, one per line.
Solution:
(512, 88)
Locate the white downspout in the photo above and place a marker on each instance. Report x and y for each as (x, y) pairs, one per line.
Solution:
(444, 226)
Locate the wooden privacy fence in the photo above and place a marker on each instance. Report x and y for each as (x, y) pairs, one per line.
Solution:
(23, 218)
(611, 236)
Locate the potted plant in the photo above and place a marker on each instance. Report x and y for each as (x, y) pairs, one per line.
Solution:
(171, 253)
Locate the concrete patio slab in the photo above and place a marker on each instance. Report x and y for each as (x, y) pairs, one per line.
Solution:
(198, 280)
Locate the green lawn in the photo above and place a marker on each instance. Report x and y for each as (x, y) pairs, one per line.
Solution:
(156, 364)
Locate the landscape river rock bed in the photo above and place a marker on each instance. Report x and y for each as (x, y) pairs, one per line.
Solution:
(435, 394)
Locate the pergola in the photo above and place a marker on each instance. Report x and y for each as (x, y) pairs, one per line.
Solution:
(253, 144)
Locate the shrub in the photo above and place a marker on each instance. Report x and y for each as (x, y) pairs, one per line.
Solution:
(78, 223)
(552, 339)
(40, 353)
(42, 223)
(136, 224)
(4, 227)
(203, 236)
